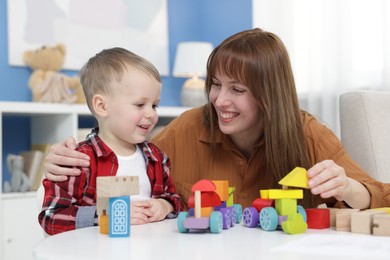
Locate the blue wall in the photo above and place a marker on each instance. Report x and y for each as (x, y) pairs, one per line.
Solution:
(188, 20)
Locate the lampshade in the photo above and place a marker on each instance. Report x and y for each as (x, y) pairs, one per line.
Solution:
(191, 59)
(190, 62)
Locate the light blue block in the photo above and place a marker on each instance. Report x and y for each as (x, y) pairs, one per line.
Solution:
(119, 216)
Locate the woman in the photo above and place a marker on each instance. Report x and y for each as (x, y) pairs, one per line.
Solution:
(252, 133)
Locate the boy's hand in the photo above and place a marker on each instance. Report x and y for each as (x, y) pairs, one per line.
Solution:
(143, 212)
(139, 211)
(159, 209)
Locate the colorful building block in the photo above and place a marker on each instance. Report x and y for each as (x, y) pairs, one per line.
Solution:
(285, 194)
(286, 207)
(104, 223)
(114, 186)
(381, 225)
(318, 218)
(207, 211)
(296, 178)
(119, 189)
(362, 221)
(343, 219)
(222, 189)
(119, 216)
(286, 213)
(230, 200)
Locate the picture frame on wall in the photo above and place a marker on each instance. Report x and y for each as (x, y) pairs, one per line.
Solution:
(87, 27)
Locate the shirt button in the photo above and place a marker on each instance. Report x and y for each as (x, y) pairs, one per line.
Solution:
(241, 163)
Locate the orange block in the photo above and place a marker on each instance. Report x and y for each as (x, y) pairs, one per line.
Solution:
(206, 212)
(222, 189)
(103, 223)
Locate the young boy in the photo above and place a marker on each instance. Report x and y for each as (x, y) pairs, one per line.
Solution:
(122, 91)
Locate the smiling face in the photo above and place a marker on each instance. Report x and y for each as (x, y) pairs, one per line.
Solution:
(236, 109)
(130, 110)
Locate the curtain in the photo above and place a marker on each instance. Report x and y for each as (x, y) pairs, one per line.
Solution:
(335, 46)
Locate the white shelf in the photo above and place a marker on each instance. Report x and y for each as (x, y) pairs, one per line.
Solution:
(30, 108)
(49, 123)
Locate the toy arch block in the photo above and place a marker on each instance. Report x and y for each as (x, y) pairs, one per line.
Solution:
(296, 178)
(204, 185)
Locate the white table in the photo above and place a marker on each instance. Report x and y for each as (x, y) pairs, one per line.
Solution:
(162, 240)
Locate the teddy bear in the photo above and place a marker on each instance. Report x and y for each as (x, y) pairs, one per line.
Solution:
(47, 84)
(19, 180)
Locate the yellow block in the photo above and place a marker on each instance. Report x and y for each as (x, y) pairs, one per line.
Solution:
(384, 209)
(264, 194)
(294, 225)
(296, 178)
(222, 189)
(230, 200)
(285, 194)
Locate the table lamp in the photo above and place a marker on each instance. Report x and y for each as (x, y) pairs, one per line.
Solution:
(190, 62)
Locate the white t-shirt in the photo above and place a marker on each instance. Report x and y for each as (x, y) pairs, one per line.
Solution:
(134, 165)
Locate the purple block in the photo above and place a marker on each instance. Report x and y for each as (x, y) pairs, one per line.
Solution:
(282, 219)
(197, 223)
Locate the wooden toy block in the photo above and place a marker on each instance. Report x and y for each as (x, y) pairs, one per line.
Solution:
(209, 199)
(222, 189)
(318, 218)
(204, 185)
(103, 223)
(114, 186)
(343, 219)
(286, 207)
(386, 209)
(230, 200)
(296, 178)
(197, 223)
(206, 211)
(259, 204)
(362, 221)
(381, 225)
(119, 217)
(285, 194)
(333, 212)
(278, 207)
(264, 194)
(198, 205)
(294, 224)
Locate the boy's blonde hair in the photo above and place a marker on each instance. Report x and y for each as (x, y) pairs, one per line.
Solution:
(109, 65)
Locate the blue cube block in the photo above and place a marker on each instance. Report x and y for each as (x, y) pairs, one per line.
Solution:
(119, 216)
